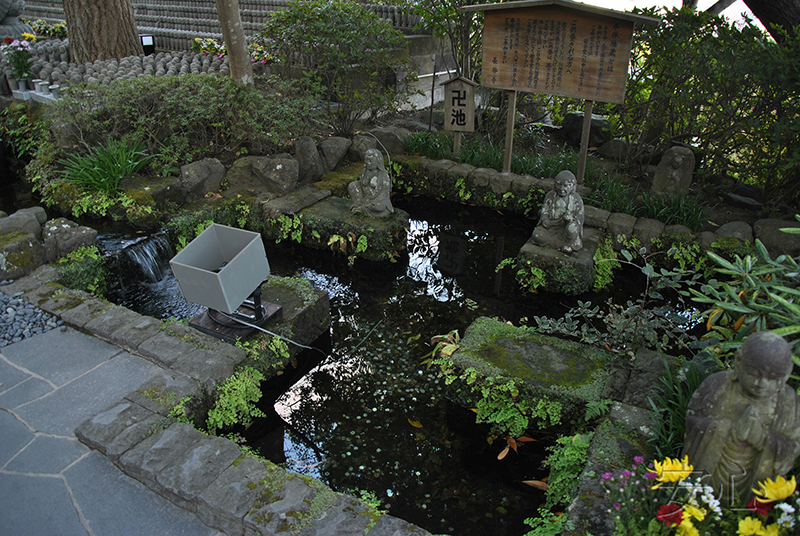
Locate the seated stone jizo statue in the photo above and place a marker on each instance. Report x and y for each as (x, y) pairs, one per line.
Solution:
(743, 425)
(371, 193)
(561, 219)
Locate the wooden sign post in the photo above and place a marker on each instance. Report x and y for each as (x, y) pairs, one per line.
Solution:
(459, 108)
(557, 47)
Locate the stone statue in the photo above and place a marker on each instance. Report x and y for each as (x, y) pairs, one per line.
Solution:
(743, 425)
(10, 25)
(561, 220)
(371, 193)
(674, 172)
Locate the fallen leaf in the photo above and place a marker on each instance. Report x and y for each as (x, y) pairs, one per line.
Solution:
(538, 484)
(415, 424)
(525, 439)
(511, 443)
(503, 454)
(414, 338)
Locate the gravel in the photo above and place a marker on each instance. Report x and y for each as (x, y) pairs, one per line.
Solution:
(20, 320)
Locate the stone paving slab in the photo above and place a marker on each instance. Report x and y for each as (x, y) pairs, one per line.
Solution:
(86, 395)
(60, 356)
(162, 391)
(24, 392)
(37, 506)
(81, 314)
(10, 376)
(15, 437)
(47, 455)
(115, 504)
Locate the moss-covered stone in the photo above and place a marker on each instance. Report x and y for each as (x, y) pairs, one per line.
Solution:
(20, 254)
(571, 274)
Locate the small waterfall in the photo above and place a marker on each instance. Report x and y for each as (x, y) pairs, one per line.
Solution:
(151, 255)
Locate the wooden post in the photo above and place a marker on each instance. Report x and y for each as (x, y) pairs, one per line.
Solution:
(433, 90)
(456, 142)
(512, 116)
(587, 126)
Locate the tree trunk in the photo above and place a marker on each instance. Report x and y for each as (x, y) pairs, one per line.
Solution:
(720, 6)
(232, 33)
(771, 13)
(101, 30)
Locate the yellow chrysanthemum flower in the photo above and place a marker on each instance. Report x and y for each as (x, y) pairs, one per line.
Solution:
(775, 491)
(770, 530)
(686, 528)
(695, 512)
(749, 526)
(672, 470)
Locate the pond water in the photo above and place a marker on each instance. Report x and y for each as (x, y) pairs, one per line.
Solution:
(366, 414)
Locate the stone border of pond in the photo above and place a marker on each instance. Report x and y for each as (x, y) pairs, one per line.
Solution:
(206, 475)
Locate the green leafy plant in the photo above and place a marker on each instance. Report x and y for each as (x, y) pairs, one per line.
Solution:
(345, 48)
(673, 394)
(290, 227)
(529, 277)
(681, 209)
(103, 167)
(180, 412)
(566, 461)
(18, 55)
(236, 399)
(753, 293)
(605, 263)
(84, 269)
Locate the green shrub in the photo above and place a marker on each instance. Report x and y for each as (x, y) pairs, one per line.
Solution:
(103, 167)
(348, 50)
(728, 87)
(184, 118)
(611, 194)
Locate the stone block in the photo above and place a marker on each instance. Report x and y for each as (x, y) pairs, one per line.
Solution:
(333, 150)
(163, 391)
(348, 516)
(392, 138)
(570, 274)
(286, 505)
(361, 144)
(205, 366)
(736, 229)
(99, 431)
(22, 221)
(20, 253)
(65, 300)
(647, 231)
(40, 276)
(595, 217)
(144, 461)
(481, 177)
(768, 231)
(228, 499)
(41, 294)
(523, 184)
(191, 472)
(306, 309)
(310, 166)
(130, 336)
(440, 167)
(293, 202)
(620, 227)
(111, 320)
(460, 171)
(501, 183)
(133, 435)
(81, 314)
(394, 526)
(633, 417)
(170, 344)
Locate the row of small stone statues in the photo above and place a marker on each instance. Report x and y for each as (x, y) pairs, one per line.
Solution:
(562, 214)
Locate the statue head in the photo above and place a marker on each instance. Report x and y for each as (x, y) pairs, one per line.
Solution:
(373, 159)
(763, 364)
(565, 183)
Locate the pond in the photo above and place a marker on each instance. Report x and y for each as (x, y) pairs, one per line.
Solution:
(369, 415)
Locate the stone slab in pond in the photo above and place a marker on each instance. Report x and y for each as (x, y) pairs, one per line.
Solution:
(557, 369)
(570, 274)
(329, 224)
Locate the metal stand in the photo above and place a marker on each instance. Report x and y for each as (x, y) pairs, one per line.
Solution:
(226, 327)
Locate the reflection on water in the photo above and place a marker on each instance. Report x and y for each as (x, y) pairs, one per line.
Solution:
(371, 416)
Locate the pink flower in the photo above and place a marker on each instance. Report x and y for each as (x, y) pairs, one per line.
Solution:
(607, 476)
(638, 460)
(651, 475)
(626, 474)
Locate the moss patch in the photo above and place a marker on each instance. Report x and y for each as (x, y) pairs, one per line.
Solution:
(337, 181)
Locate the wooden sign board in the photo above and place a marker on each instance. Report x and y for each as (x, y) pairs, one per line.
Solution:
(459, 105)
(557, 50)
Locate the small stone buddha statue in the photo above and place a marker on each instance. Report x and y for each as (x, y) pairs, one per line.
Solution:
(561, 220)
(371, 193)
(743, 425)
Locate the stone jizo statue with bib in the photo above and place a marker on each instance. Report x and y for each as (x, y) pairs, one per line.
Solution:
(561, 220)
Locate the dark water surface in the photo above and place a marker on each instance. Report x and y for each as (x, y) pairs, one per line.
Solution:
(370, 416)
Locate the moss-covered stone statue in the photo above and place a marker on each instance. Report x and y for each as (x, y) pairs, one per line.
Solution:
(371, 193)
(561, 220)
(743, 425)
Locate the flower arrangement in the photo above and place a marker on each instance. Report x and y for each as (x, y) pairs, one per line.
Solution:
(42, 27)
(18, 54)
(662, 499)
(208, 46)
(258, 52)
